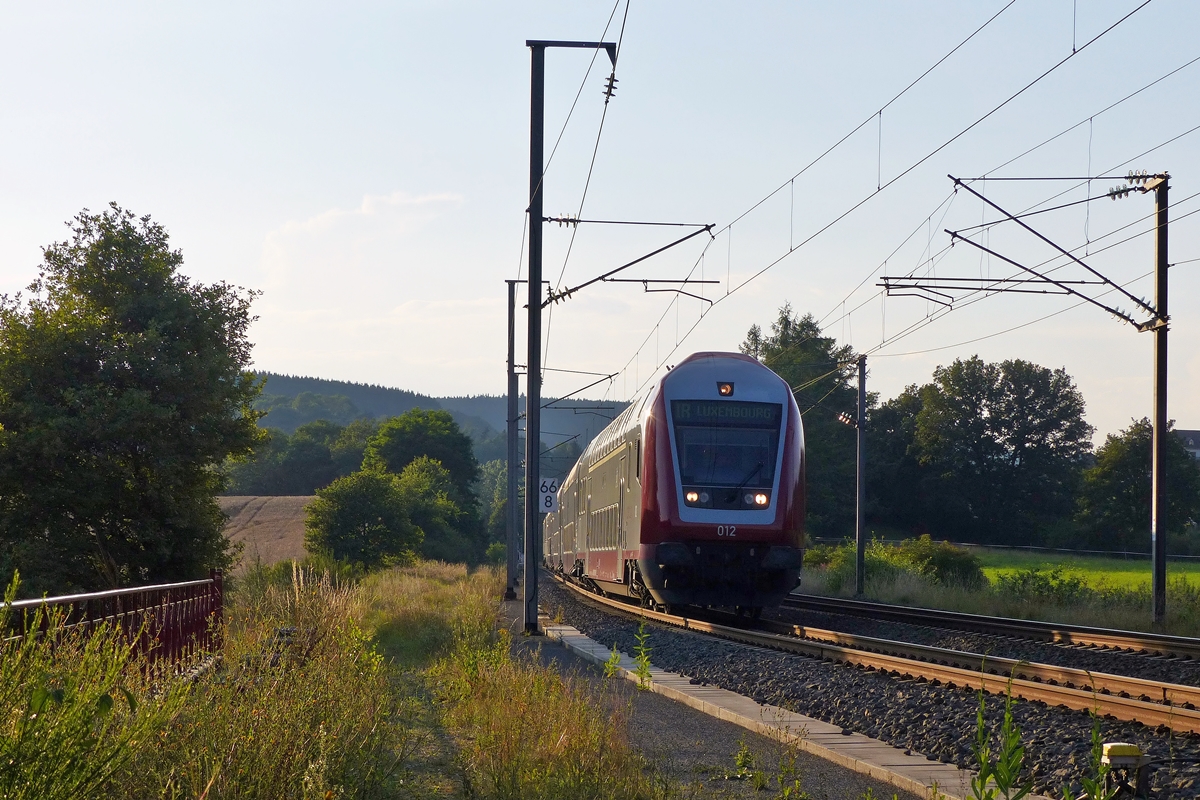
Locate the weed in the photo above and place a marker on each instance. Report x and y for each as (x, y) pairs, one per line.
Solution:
(869, 794)
(641, 656)
(999, 774)
(789, 777)
(612, 667)
(1094, 784)
(303, 706)
(744, 764)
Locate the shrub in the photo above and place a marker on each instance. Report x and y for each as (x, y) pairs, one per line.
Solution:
(497, 553)
(944, 563)
(818, 555)
(880, 563)
(1046, 586)
(940, 563)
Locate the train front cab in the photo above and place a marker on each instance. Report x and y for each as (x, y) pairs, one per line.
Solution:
(724, 504)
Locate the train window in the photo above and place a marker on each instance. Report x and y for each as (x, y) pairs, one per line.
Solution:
(638, 459)
(728, 446)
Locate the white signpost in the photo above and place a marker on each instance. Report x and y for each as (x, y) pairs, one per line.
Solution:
(549, 501)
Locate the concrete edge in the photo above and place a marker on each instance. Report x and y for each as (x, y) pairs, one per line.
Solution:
(798, 736)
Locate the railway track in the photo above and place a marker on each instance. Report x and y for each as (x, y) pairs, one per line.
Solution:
(1071, 635)
(1150, 703)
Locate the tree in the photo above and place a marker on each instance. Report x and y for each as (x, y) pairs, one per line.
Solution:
(492, 491)
(123, 388)
(448, 530)
(311, 458)
(899, 485)
(822, 376)
(1114, 504)
(403, 439)
(364, 518)
(1006, 443)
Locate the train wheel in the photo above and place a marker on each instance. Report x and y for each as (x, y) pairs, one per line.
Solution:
(755, 613)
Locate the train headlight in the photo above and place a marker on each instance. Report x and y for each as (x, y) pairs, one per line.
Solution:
(725, 389)
(761, 499)
(692, 497)
(704, 497)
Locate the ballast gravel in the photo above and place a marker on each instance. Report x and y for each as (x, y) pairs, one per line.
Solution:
(935, 720)
(1112, 662)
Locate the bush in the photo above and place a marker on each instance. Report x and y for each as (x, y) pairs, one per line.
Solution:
(940, 563)
(1046, 586)
(944, 563)
(880, 563)
(497, 553)
(818, 555)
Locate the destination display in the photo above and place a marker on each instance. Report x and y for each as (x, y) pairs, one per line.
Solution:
(726, 413)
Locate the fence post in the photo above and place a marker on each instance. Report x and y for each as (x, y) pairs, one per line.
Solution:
(218, 605)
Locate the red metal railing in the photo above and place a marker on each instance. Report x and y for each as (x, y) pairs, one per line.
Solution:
(175, 623)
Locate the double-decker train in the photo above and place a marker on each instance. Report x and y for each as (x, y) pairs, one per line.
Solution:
(693, 495)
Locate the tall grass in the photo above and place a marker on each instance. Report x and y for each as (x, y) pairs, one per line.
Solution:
(521, 729)
(72, 711)
(301, 708)
(400, 684)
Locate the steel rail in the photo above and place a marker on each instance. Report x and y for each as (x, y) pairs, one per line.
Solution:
(1150, 691)
(1157, 643)
(1178, 717)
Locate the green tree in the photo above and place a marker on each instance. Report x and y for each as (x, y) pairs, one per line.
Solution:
(823, 379)
(348, 449)
(403, 439)
(900, 487)
(448, 530)
(364, 518)
(123, 388)
(290, 413)
(492, 491)
(1114, 504)
(1006, 442)
(312, 457)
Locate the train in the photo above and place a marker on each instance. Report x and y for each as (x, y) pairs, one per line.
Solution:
(692, 496)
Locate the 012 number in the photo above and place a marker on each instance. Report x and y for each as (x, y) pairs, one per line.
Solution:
(727, 530)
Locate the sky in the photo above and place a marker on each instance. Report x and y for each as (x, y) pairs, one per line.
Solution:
(365, 167)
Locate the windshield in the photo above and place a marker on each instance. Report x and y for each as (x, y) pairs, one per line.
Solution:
(727, 443)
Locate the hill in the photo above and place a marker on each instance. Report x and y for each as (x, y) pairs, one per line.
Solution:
(291, 401)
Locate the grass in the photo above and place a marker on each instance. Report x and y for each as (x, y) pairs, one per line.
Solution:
(398, 684)
(1037, 587)
(1097, 571)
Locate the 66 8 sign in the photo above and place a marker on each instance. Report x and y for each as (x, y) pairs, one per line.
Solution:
(549, 491)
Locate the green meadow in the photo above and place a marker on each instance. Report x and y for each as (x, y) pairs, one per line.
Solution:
(1100, 572)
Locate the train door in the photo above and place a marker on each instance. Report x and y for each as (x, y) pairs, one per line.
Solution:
(620, 543)
(587, 521)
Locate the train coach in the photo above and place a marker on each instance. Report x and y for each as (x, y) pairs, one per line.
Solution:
(693, 495)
